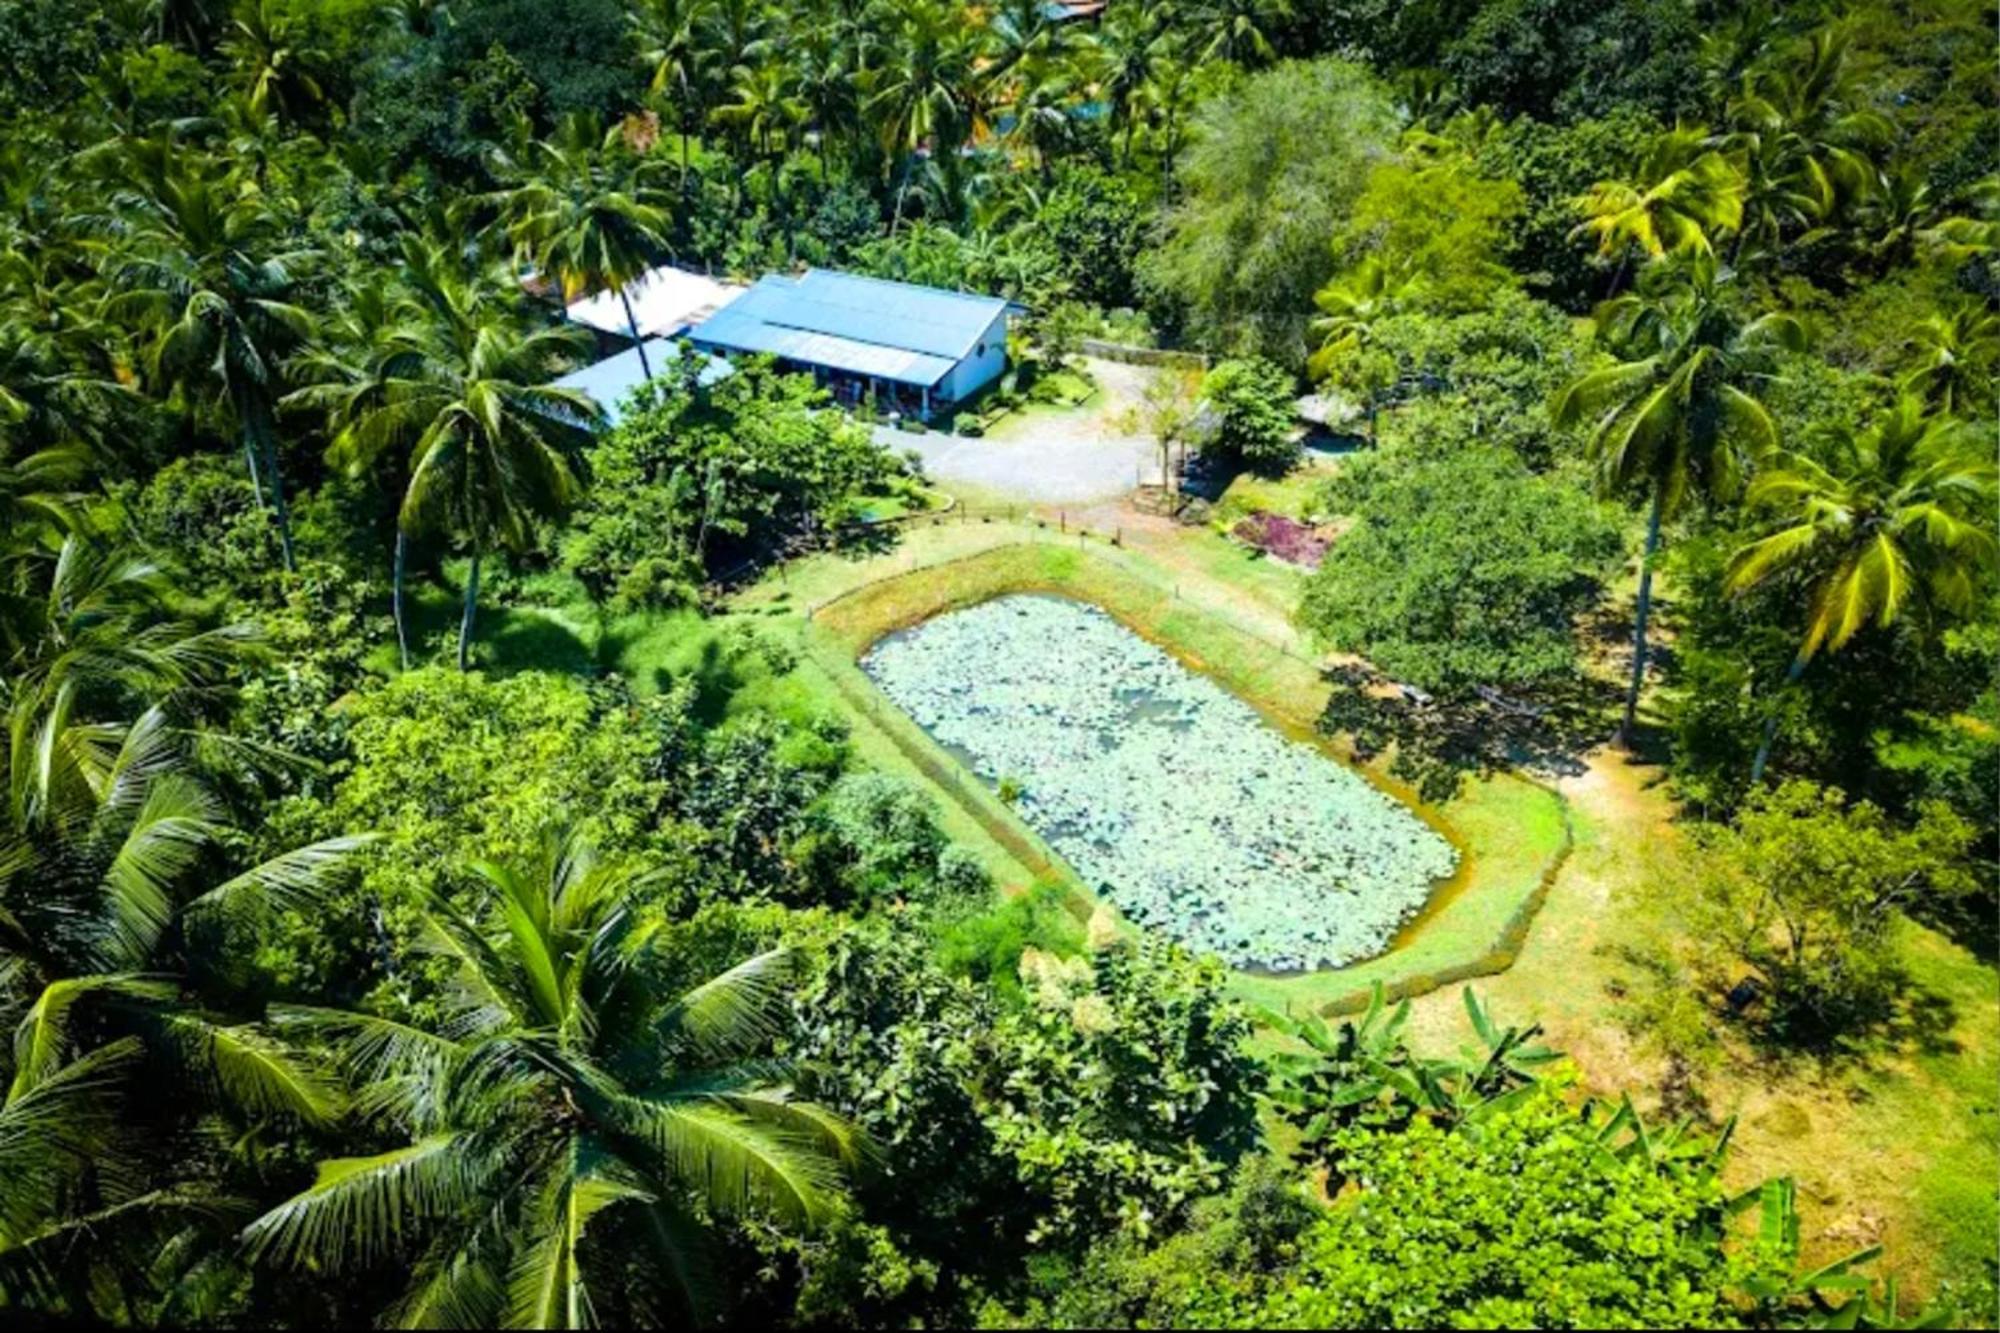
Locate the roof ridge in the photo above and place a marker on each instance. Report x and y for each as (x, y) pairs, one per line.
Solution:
(893, 282)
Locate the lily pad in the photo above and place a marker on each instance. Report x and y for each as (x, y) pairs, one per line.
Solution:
(1164, 791)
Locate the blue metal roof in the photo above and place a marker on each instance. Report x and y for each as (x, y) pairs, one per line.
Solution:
(611, 381)
(864, 326)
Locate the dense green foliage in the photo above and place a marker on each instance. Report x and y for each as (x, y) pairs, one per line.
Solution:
(697, 475)
(599, 980)
(1463, 572)
(1252, 403)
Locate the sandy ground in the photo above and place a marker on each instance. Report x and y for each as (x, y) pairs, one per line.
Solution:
(1046, 456)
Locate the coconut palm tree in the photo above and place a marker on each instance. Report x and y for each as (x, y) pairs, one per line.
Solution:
(584, 207)
(670, 48)
(199, 268)
(89, 642)
(826, 89)
(1164, 101)
(355, 379)
(1874, 522)
(1808, 114)
(558, 1109)
(1677, 414)
(1042, 106)
(1351, 306)
(1236, 30)
(495, 449)
(923, 96)
(97, 901)
(263, 40)
(1684, 195)
(1956, 353)
(764, 106)
(1123, 56)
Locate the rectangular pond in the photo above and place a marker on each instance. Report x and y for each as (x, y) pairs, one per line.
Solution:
(1170, 796)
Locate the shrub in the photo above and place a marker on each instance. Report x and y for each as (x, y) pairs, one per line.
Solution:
(1806, 889)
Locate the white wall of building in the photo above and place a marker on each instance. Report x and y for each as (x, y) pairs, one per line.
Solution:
(978, 368)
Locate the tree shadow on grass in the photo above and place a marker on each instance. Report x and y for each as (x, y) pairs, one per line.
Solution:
(526, 639)
(1907, 1018)
(505, 639)
(1440, 741)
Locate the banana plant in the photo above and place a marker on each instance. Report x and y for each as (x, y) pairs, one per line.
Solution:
(1365, 1073)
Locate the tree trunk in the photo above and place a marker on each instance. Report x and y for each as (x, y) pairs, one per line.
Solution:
(284, 512)
(256, 472)
(638, 340)
(471, 604)
(396, 598)
(902, 186)
(260, 443)
(1618, 274)
(1792, 675)
(1645, 609)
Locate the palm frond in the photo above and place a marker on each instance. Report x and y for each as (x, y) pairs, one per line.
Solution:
(363, 1210)
(735, 1012)
(252, 1069)
(299, 879)
(734, 1163)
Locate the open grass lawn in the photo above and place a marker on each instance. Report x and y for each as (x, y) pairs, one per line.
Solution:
(1291, 495)
(1897, 1144)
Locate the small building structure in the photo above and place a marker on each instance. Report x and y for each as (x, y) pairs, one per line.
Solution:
(611, 382)
(666, 302)
(871, 341)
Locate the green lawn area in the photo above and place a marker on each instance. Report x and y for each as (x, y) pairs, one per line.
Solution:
(1291, 495)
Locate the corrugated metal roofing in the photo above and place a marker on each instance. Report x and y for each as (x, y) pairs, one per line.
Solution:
(863, 326)
(611, 381)
(665, 302)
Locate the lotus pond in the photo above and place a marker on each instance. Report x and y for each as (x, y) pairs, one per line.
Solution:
(1170, 796)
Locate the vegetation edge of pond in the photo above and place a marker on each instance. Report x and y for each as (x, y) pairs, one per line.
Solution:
(996, 575)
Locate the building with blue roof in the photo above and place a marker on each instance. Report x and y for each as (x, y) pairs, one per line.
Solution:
(611, 381)
(870, 340)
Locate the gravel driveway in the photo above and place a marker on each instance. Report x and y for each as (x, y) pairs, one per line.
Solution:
(1048, 457)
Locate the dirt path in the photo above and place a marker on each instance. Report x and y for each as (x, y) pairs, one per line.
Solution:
(1864, 1141)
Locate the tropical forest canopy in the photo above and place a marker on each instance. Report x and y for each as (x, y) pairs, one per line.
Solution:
(368, 954)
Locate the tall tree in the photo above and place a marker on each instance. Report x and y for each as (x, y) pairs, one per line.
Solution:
(585, 207)
(1676, 415)
(90, 641)
(1351, 307)
(497, 449)
(1124, 55)
(670, 46)
(357, 378)
(1682, 197)
(923, 94)
(1872, 522)
(1236, 30)
(1803, 118)
(564, 1101)
(202, 265)
(1957, 351)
